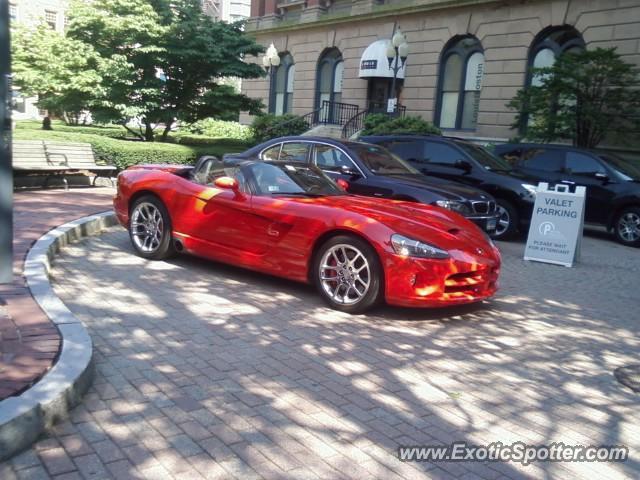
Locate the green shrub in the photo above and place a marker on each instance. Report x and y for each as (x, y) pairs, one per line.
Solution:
(382, 124)
(266, 127)
(219, 129)
(124, 153)
(203, 140)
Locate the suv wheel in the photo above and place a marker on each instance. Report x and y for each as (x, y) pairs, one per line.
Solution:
(627, 227)
(507, 222)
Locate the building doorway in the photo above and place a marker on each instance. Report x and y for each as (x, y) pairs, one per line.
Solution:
(379, 92)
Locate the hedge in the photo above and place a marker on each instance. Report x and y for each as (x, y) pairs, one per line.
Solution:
(124, 153)
(382, 124)
(266, 127)
(219, 129)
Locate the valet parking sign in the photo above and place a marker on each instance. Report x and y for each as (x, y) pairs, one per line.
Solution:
(556, 226)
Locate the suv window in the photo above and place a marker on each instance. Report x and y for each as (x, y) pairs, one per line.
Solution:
(581, 164)
(412, 150)
(295, 152)
(330, 158)
(512, 156)
(442, 154)
(544, 159)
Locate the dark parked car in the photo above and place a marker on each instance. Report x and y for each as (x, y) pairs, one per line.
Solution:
(613, 184)
(465, 162)
(373, 171)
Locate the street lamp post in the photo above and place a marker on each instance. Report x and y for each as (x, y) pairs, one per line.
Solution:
(6, 172)
(397, 53)
(270, 62)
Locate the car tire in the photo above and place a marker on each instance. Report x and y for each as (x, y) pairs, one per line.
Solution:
(627, 227)
(150, 229)
(351, 284)
(508, 221)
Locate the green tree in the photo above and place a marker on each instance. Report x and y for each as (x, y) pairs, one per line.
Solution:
(65, 74)
(176, 59)
(582, 97)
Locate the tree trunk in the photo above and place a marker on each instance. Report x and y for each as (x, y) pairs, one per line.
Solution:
(167, 130)
(148, 131)
(133, 132)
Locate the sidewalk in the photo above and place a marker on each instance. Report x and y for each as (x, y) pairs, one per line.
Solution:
(29, 342)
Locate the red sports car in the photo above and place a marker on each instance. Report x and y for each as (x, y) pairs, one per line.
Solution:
(292, 221)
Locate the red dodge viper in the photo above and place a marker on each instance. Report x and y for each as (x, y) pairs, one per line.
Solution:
(292, 221)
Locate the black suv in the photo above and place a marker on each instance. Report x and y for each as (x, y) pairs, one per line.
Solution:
(466, 162)
(613, 184)
(372, 171)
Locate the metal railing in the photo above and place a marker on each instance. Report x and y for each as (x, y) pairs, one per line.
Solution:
(330, 113)
(356, 123)
(335, 113)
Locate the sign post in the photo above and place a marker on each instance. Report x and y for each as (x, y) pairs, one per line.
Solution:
(556, 227)
(6, 171)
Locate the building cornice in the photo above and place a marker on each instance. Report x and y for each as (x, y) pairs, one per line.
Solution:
(380, 11)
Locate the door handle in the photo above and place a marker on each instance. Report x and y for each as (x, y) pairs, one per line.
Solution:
(568, 182)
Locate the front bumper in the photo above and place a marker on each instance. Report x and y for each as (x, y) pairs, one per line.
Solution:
(461, 279)
(487, 223)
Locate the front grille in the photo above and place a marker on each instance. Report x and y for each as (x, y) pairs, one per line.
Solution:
(484, 207)
(471, 282)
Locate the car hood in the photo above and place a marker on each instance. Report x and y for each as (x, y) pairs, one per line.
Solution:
(427, 223)
(447, 189)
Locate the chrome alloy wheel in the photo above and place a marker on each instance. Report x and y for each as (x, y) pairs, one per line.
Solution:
(345, 274)
(629, 227)
(503, 220)
(147, 227)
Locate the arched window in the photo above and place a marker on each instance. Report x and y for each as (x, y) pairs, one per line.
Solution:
(550, 43)
(459, 84)
(281, 97)
(329, 80)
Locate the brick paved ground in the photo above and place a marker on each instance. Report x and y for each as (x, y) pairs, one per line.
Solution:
(209, 371)
(29, 342)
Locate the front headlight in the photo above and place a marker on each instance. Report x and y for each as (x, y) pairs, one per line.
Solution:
(531, 191)
(455, 206)
(408, 247)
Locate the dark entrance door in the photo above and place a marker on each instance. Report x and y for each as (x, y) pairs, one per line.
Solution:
(378, 93)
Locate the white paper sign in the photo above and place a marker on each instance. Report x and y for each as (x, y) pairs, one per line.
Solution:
(556, 227)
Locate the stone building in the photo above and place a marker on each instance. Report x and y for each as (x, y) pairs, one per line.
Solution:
(466, 59)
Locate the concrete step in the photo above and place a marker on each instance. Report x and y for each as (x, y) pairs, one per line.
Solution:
(330, 131)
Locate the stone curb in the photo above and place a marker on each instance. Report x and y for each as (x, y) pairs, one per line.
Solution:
(24, 417)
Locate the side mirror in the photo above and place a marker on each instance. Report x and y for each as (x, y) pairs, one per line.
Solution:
(463, 165)
(227, 183)
(345, 170)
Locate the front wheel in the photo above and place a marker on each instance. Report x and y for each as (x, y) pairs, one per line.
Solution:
(348, 274)
(150, 228)
(507, 221)
(627, 227)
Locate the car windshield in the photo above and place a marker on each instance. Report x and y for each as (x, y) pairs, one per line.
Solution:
(290, 179)
(381, 161)
(487, 159)
(627, 170)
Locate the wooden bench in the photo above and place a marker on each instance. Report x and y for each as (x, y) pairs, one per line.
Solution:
(57, 158)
